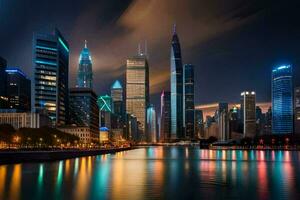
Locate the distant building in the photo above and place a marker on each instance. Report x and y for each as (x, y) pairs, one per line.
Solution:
(131, 128)
(282, 100)
(189, 105)
(223, 123)
(104, 135)
(165, 116)
(297, 110)
(85, 134)
(85, 71)
(176, 89)
(2, 78)
(51, 69)
(105, 108)
(18, 90)
(151, 125)
(199, 124)
(84, 111)
(248, 113)
(137, 90)
(116, 92)
(24, 120)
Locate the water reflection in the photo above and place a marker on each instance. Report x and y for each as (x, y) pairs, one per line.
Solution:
(157, 172)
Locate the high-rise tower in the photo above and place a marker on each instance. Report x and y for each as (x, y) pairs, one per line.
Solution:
(137, 89)
(248, 113)
(189, 111)
(282, 100)
(51, 79)
(176, 89)
(85, 71)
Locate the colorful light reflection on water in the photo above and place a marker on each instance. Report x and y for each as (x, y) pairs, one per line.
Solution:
(158, 173)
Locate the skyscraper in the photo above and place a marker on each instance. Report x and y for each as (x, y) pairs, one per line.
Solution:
(189, 106)
(151, 124)
(297, 110)
(248, 111)
(176, 89)
(117, 98)
(282, 100)
(137, 89)
(85, 71)
(84, 110)
(51, 69)
(165, 116)
(18, 90)
(199, 124)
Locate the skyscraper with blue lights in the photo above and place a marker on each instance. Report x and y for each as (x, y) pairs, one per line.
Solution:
(51, 69)
(282, 100)
(151, 124)
(85, 71)
(176, 89)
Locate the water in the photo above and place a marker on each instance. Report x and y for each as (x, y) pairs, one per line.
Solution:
(158, 173)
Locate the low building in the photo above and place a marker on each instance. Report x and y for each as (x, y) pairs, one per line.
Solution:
(104, 135)
(85, 134)
(24, 120)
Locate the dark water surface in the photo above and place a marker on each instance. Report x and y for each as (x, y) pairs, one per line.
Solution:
(158, 173)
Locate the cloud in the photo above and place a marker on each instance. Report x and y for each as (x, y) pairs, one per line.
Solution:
(197, 21)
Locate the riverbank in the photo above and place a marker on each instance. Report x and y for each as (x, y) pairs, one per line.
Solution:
(15, 156)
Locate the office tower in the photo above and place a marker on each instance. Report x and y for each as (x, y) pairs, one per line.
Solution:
(176, 89)
(85, 71)
(248, 113)
(199, 124)
(151, 124)
(104, 104)
(18, 90)
(282, 100)
(137, 90)
(2, 77)
(84, 110)
(223, 123)
(51, 69)
(131, 131)
(117, 98)
(165, 116)
(297, 110)
(189, 106)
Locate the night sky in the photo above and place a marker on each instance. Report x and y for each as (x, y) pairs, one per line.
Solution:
(233, 43)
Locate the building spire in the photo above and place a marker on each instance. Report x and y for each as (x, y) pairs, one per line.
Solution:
(174, 28)
(85, 44)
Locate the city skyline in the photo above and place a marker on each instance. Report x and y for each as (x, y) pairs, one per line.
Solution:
(209, 52)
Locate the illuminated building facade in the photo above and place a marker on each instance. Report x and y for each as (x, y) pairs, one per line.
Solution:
(84, 110)
(105, 108)
(51, 69)
(18, 90)
(176, 89)
(189, 105)
(282, 100)
(297, 110)
(248, 113)
(165, 116)
(85, 71)
(137, 90)
(199, 124)
(151, 124)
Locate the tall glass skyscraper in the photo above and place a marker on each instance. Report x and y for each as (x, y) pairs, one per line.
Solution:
(189, 114)
(176, 89)
(137, 90)
(282, 100)
(248, 112)
(51, 69)
(85, 71)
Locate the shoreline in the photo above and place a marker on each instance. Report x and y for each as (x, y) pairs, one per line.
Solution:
(14, 157)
